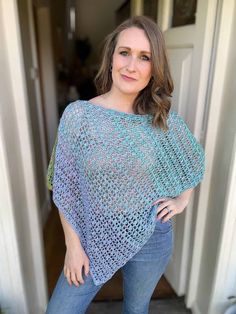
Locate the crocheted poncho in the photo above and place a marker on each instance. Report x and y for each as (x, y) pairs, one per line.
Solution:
(107, 168)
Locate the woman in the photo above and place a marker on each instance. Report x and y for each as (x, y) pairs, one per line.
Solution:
(124, 166)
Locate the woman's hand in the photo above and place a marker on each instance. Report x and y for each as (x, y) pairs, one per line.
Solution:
(75, 260)
(168, 207)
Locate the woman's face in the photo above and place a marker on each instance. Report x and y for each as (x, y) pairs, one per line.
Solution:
(131, 62)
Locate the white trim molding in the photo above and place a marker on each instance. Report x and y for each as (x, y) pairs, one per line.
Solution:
(21, 230)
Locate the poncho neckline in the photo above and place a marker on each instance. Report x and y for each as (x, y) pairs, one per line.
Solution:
(110, 111)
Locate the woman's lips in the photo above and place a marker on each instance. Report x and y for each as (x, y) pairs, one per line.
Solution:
(127, 78)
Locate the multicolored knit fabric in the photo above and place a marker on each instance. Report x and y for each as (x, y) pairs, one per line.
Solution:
(107, 169)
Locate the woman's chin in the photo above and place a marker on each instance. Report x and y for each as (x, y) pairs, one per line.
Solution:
(129, 91)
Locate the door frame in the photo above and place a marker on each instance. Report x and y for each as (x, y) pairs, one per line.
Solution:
(24, 278)
(224, 13)
(203, 31)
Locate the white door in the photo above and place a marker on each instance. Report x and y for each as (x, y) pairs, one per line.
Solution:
(189, 51)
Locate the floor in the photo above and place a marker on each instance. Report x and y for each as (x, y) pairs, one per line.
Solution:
(163, 306)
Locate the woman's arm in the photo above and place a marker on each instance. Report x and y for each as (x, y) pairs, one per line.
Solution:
(71, 238)
(185, 197)
(75, 258)
(175, 205)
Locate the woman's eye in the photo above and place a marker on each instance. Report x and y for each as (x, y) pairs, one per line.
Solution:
(124, 53)
(145, 58)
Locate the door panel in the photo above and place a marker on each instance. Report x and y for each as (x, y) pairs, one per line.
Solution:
(180, 64)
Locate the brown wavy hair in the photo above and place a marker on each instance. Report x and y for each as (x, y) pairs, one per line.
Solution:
(155, 97)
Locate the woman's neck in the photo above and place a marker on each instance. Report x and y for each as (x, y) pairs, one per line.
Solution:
(119, 101)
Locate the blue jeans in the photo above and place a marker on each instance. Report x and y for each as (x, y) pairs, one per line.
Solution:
(140, 277)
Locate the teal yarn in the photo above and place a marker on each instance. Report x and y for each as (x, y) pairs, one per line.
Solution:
(106, 170)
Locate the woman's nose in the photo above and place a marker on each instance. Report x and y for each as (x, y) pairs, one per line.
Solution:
(131, 66)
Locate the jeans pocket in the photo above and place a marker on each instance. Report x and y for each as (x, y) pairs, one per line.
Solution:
(164, 227)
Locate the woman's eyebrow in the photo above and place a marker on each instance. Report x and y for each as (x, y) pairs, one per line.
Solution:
(130, 49)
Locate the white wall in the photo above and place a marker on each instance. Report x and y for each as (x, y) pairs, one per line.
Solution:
(11, 281)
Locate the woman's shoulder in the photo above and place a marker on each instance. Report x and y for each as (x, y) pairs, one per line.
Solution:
(74, 111)
(72, 116)
(73, 107)
(174, 115)
(174, 119)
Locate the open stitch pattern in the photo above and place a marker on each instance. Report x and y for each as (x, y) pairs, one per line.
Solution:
(107, 168)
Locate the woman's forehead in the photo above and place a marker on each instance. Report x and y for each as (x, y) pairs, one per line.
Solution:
(134, 38)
